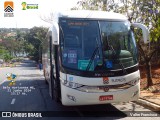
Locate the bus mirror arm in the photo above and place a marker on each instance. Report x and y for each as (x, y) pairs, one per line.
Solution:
(145, 31)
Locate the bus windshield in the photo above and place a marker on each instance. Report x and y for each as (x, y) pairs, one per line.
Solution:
(92, 45)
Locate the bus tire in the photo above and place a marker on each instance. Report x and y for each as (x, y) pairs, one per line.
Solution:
(55, 93)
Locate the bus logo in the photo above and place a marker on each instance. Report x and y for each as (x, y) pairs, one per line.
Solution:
(105, 80)
(8, 9)
(119, 80)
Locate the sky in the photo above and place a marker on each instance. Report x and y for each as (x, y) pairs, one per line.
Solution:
(31, 17)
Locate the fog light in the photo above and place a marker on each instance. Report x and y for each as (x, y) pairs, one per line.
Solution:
(71, 98)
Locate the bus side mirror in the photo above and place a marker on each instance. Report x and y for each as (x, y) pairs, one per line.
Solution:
(145, 31)
(55, 33)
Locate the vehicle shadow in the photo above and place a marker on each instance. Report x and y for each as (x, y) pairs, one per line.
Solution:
(28, 65)
(39, 100)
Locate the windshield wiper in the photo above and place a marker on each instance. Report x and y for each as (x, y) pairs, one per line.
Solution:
(92, 58)
(119, 62)
(114, 53)
(93, 55)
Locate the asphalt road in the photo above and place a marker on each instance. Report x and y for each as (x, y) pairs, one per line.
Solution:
(30, 93)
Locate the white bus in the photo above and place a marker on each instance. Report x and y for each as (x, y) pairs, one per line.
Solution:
(90, 57)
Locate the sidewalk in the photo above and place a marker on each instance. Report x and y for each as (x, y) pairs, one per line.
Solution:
(150, 97)
(150, 100)
(9, 65)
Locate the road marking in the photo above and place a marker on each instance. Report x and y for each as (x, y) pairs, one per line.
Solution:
(13, 101)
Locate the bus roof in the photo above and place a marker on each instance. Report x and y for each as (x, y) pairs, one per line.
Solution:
(92, 14)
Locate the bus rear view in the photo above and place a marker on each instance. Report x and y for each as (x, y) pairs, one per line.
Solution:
(96, 59)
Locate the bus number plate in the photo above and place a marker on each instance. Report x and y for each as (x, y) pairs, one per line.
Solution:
(106, 97)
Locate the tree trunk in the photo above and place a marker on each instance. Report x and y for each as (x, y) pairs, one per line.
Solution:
(148, 64)
(149, 74)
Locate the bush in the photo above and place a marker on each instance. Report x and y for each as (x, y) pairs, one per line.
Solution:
(7, 58)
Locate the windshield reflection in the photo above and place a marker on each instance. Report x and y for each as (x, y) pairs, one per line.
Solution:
(91, 45)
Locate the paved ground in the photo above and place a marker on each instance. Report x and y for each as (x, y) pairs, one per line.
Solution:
(31, 94)
(148, 96)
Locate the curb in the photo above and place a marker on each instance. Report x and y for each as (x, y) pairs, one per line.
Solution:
(148, 104)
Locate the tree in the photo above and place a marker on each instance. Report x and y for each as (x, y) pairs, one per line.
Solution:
(105, 5)
(12, 42)
(35, 39)
(145, 12)
(3, 51)
(49, 19)
(142, 11)
(7, 57)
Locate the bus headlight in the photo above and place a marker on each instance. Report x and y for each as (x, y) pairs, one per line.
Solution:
(100, 89)
(71, 84)
(134, 81)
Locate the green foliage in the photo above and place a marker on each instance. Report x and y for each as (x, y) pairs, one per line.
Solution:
(7, 57)
(13, 42)
(25, 41)
(155, 32)
(141, 11)
(35, 39)
(3, 51)
(105, 5)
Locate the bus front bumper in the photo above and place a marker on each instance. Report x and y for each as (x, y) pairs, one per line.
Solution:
(72, 97)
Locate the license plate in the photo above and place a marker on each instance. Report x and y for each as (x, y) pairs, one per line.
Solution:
(106, 97)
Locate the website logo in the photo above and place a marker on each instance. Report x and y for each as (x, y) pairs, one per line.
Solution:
(26, 6)
(6, 114)
(8, 9)
(11, 77)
